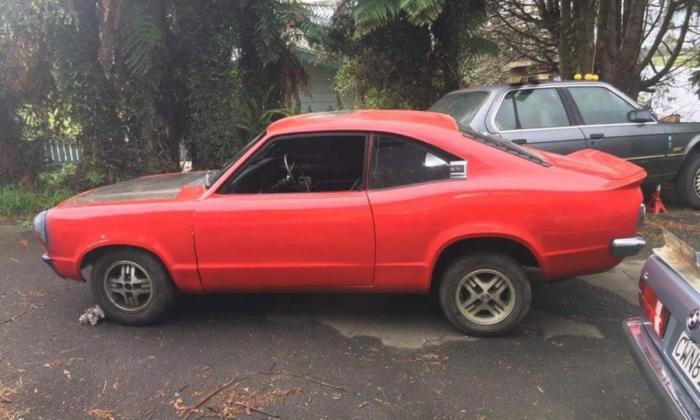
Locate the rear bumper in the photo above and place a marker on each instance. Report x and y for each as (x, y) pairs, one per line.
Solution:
(660, 378)
(626, 247)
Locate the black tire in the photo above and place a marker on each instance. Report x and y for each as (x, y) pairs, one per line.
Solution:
(163, 293)
(687, 179)
(487, 264)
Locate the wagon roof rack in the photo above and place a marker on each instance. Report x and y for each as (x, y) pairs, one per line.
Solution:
(525, 71)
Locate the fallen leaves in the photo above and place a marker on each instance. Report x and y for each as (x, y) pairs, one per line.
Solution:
(237, 402)
(98, 413)
(63, 362)
(684, 223)
(8, 407)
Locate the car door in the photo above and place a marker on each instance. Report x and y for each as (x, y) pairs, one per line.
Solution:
(605, 124)
(410, 191)
(261, 230)
(537, 117)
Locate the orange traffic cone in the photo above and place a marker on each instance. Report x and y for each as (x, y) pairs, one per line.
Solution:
(656, 206)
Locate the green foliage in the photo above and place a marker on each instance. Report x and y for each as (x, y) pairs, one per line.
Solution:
(140, 36)
(16, 201)
(132, 81)
(19, 202)
(370, 15)
(404, 53)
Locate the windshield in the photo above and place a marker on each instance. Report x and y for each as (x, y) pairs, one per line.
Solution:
(212, 177)
(501, 144)
(462, 106)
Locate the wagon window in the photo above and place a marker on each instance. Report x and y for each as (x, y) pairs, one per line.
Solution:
(398, 161)
(299, 164)
(531, 108)
(462, 106)
(598, 105)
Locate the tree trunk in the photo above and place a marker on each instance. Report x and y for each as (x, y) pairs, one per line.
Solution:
(620, 33)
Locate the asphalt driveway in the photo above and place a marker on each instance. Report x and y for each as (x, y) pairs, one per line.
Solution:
(301, 356)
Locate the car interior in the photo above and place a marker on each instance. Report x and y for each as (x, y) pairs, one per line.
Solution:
(303, 164)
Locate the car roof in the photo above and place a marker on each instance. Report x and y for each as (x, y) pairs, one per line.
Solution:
(554, 83)
(363, 120)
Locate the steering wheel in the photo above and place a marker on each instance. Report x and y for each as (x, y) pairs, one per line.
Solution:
(303, 183)
(289, 168)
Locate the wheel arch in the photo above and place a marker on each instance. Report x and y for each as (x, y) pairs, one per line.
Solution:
(693, 146)
(523, 253)
(90, 256)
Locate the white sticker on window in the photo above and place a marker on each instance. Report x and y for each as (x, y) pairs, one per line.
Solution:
(458, 169)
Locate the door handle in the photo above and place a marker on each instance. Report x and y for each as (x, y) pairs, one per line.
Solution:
(597, 136)
(519, 141)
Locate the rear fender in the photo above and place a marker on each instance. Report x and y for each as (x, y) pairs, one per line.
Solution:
(487, 230)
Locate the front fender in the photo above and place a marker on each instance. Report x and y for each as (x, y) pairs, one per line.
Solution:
(163, 229)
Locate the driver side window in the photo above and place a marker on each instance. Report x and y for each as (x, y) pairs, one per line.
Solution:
(313, 163)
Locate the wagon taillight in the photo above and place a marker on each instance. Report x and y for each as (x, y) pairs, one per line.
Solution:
(653, 308)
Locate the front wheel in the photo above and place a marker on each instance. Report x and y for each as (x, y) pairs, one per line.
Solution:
(485, 294)
(132, 286)
(688, 181)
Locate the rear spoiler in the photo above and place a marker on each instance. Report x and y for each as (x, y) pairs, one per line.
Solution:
(681, 257)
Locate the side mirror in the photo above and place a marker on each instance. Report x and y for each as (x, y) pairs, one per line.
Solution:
(640, 116)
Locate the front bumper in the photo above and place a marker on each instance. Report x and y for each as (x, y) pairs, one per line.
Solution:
(659, 376)
(626, 247)
(45, 258)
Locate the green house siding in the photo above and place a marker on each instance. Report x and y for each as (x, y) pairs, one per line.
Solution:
(322, 96)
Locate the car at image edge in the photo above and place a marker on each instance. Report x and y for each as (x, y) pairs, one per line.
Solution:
(354, 202)
(664, 339)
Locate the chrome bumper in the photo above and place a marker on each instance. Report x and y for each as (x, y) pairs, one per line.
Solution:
(669, 391)
(626, 247)
(45, 258)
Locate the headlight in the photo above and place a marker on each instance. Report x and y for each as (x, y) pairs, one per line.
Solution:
(40, 229)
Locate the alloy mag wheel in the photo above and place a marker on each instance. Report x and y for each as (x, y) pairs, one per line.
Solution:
(128, 286)
(485, 296)
(696, 182)
(484, 293)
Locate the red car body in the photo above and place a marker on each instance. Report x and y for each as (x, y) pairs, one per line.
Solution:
(562, 216)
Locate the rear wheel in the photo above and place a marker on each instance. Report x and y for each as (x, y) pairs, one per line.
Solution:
(485, 294)
(688, 181)
(132, 286)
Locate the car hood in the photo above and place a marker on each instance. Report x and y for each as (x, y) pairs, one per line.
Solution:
(165, 186)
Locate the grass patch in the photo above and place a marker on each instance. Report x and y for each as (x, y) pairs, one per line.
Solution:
(17, 202)
(683, 60)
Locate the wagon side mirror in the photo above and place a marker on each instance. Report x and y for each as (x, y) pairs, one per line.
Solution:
(640, 116)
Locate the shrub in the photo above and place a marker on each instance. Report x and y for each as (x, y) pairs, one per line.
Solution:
(19, 202)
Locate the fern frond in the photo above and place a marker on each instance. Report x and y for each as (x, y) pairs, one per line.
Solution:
(372, 14)
(140, 37)
(422, 12)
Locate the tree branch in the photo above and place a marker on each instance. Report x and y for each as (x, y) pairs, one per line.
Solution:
(659, 35)
(674, 54)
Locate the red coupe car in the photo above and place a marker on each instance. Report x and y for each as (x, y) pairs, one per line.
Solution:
(364, 201)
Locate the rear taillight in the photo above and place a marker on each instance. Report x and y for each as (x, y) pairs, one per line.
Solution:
(653, 309)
